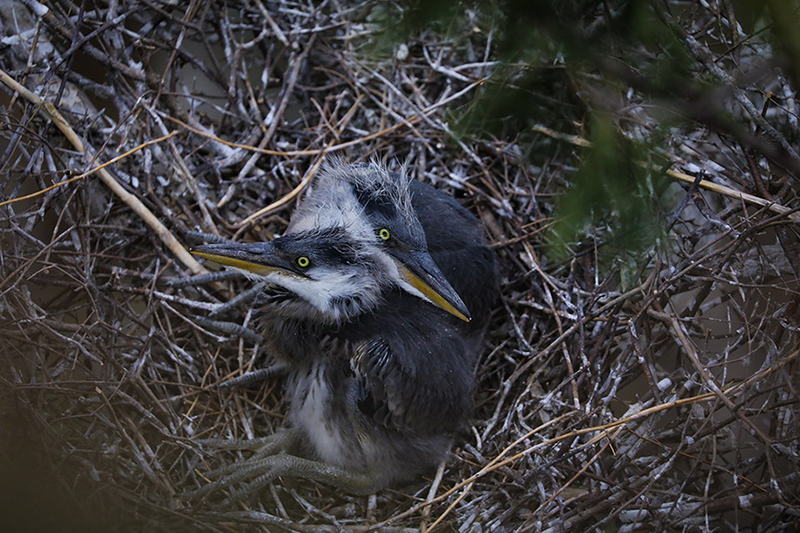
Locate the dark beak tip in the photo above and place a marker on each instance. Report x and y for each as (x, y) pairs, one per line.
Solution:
(466, 316)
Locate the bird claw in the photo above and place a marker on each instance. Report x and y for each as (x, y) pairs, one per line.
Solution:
(256, 376)
(279, 439)
(270, 461)
(236, 471)
(227, 476)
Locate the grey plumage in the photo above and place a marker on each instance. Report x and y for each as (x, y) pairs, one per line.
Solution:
(380, 379)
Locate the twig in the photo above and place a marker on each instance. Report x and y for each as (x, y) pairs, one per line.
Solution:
(130, 200)
(88, 173)
(288, 197)
(711, 186)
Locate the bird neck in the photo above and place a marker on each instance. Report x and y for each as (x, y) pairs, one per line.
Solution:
(294, 339)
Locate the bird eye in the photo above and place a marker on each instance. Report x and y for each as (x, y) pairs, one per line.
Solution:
(303, 261)
(384, 234)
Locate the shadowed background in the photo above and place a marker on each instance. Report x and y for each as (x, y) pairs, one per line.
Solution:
(566, 127)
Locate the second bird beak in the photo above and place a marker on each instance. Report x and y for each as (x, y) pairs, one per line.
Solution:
(419, 270)
(416, 268)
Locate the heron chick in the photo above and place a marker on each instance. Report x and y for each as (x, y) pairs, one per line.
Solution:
(377, 299)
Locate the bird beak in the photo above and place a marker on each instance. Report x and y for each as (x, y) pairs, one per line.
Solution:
(419, 271)
(256, 258)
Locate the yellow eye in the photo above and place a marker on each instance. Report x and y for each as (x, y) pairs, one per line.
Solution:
(384, 234)
(303, 261)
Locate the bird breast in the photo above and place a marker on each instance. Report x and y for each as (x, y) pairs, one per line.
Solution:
(312, 411)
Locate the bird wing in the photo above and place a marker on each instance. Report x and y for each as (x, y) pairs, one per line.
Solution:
(380, 394)
(411, 385)
(457, 245)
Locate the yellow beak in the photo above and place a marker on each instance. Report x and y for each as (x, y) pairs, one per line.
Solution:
(436, 298)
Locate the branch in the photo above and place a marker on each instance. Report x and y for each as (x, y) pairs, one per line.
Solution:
(130, 200)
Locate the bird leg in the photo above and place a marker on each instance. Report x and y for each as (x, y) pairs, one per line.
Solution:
(256, 376)
(282, 464)
(272, 460)
(279, 442)
(230, 328)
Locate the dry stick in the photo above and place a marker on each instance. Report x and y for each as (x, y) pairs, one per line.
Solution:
(130, 200)
(564, 348)
(288, 197)
(297, 190)
(321, 152)
(437, 480)
(471, 479)
(293, 153)
(709, 464)
(733, 193)
(579, 473)
(690, 351)
(497, 463)
(711, 186)
(452, 506)
(88, 173)
(274, 117)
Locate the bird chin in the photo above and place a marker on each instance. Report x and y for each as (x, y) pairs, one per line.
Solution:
(295, 307)
(320, 306)
(278, 301)
(347, 308)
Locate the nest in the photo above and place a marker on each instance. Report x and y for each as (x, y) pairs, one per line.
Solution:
(656, 394)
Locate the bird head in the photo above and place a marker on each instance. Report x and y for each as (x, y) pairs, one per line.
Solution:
(381, 209)
(326, 274)
(362, 209)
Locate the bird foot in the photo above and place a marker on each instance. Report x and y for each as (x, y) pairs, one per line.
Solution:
(245, 478)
